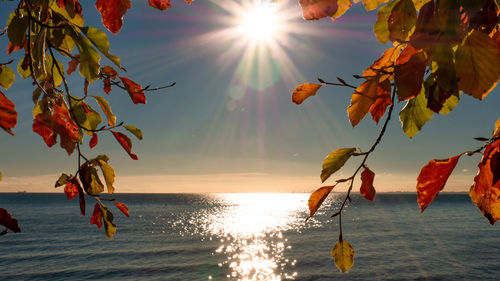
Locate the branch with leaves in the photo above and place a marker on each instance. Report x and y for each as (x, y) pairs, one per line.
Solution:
(441, 49)
(50, 33)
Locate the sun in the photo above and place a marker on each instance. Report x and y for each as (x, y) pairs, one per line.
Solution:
(260, 22)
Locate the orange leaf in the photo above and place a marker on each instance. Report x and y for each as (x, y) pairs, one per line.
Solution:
(8, 221)
(316, 9)
(377, 110)
(409, 72)
(160, 4)
(485, 192)
(361, 100)
(73, 63)
(8, 114)
(112, 12)
(432, 179)
(367, 189)
(122, 207)
(317, 198)
(134, 90)
(96, 216)
(385, 62)
(93, 141)
(71, 188)
(125, 143)
(302, 92)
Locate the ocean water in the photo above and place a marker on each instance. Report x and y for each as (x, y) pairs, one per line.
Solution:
(248, 237)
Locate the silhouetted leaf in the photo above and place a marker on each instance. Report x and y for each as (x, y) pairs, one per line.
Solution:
(8, 221)
(409, 73)
(432, 179)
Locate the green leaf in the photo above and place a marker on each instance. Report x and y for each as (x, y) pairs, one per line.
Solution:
(415, 114)
(36, 95)
(38, 54)
(62, 180)
(381, 27)
(334, 161)
(109, 175)
(449, 105)
(343, 254)
(24, 73)
(109, 226)
(86, 115)
(103, 103)
(7, 76)
(17, 30)
(89, 57)
(135, 131)
(402, 20)
(96, 185)
(100, 41)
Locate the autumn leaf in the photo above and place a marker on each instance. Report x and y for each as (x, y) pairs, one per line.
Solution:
(343, 255)
(8, 221)
(477, 62)
(17, 28)
(316, 199)
(112, 12)
(372, 4)
(96, 216)
(62, 180)
(81, 199)
(93, 140)
(362, 99)
(7, 76)
(122, 207)
(432, 179)
(383, 64)
(409, 72)
(485, 192)
(302, 92)
(90, 179)
(316, 9)
(109, 226)
(8, 114)
(71, 188)
(427, 30)
(334, 161)
(415, 114)
(104, 105)
(125, 143)
(109, 175)
(134, 130)
(377, 109)
(73, 64)
(367, 189)
(100, 40)
(402, 20)
(381, 27)
(160, 4)
(134, 90)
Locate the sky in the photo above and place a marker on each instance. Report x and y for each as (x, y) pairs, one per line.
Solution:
(229, 124)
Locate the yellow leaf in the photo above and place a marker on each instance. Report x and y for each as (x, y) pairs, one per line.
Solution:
(109, 226)
(335, 161)
(317, 198)
(362, 99)
(343, 254)
(302, 92)
(477, 64)
(106, 109)
(373, 4)
(109, 175)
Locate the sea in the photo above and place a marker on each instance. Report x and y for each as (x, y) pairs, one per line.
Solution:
(248, 236)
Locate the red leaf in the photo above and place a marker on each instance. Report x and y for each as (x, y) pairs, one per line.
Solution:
(125, 143)
(377, 109)
(11, 48)
(112, 12)
(485, 192)
(73, 63)
(409, 72)
(427, 30)
(8, 221)
(160, 4)
(367, 189)
(316, 9)
(122, 207)
(71, 188)
(317, 198)
(134, 90)
(96, 216)
(8, 114)
(93, 141)
(48, 126)
(432, 179)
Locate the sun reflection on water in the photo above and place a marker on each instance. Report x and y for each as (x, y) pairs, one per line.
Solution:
(250, 229)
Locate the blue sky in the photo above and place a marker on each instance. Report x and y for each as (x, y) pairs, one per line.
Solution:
(217, 131)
